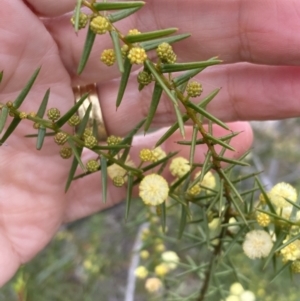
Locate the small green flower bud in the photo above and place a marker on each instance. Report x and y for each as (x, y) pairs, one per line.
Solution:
(60, 138)
(65, 152)
(144, 78)
(146, 154)
(113, 140)
(124, 50)
(118, 181)
(165, 53)
(87, 132)
(137, 55)
(90, 141)
(83, 19)
(36, 125)
(92, 165)
(9, 104)
(53, 114)
(108, 57)
(23, 115)
(32, 114)
(74, 120)
(194, 89)
(99, 25)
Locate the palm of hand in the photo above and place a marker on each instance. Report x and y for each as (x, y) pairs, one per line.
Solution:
(32, 199)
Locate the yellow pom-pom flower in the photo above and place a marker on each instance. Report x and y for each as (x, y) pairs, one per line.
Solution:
(208, 181)
(280, 192)
(263, 219)
(153, 285)
(108, 57)
(171, 259)
(158, 154)
(179, 167)
(154, 190)
(291, 251)
(257, 244)
(137, 55)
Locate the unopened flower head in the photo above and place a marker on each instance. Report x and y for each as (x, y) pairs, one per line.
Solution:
(263, 219)
(153, 285)
(257, 244)
(108, 57)
(137, 55)
(66, 152)
(154, 190)
(158, 154)
(146, 154)
(194, 89)
(99, 25)
(113, 140)
(124, 50)
(133, 32)
(90, 141)
(291, 251)
(194, 190)
(92, 165)
(141, 272)
(280, 192)
(118, 181)
(165, 53)
(144, 78)
(179, 167)
(83, 19)
(171, 259)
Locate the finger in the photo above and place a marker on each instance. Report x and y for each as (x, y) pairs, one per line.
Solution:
(84, 198)
(248, 92)
(50, 8)
(234, 30)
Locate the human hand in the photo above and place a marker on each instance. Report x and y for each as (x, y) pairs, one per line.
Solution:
(32, 200)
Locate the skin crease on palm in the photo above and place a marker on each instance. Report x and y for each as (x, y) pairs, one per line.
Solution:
(259, 80)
